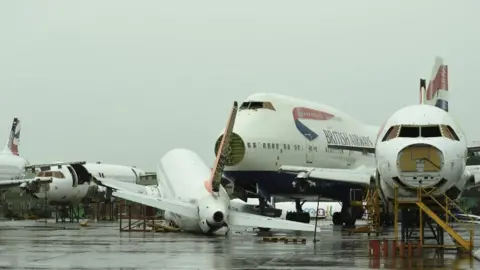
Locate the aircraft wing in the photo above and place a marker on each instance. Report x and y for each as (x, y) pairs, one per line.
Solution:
(181, 208)
(6, 184)
(252, 220)
(473, 148)
(138, 193)
(23, 183)
(361, 176)
(118, 185)
(474, 172)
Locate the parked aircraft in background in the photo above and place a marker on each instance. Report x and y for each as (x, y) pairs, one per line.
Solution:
(423, 146)
(12, 165)
(72, 182)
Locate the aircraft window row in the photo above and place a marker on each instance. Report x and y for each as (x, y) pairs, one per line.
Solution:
(428, 131)
(55, 174)
(255, 105)
(276, 146)
(333, 150)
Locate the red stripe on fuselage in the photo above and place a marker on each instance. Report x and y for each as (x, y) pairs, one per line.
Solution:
(306, 113)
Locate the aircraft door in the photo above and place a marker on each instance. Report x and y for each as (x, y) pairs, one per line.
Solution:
(309, 150)
(74, 176)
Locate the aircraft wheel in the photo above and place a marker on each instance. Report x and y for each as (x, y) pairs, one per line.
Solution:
(304, 217)
(358, 212)
(337, 218)
(350, 222)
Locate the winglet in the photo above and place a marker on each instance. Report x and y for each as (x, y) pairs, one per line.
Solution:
(14, 138)
(213, 184)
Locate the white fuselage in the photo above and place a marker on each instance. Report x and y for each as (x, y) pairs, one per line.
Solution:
(430, 160)
(295, 132)
(72, 183)
(187, 185)
(11, 166)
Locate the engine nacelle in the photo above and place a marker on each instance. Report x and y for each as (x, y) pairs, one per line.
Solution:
(212, 214)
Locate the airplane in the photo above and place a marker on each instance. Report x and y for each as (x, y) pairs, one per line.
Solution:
(293, 148)
(191, 195)
(71, 183)
(277, 140)
(12, 165)
(425, 146)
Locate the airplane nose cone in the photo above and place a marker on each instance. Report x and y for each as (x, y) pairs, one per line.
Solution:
(236, 151)
(420, 165)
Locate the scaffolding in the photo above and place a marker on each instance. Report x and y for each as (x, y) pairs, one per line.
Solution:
(423, 210)
(140, 218)
(104, 211)
(70, 213)
(371, 204)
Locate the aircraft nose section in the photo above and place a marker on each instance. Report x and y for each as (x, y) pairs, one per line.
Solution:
(420, 165)
(235, 151)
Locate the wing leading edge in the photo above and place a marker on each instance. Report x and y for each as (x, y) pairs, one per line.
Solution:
(23, 183)
(360, 176)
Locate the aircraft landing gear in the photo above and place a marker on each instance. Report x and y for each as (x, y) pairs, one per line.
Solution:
(348, 216)
(299, 215)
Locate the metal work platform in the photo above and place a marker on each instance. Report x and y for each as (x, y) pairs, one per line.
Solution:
(428, 210)
(371, 204)
(139, 218)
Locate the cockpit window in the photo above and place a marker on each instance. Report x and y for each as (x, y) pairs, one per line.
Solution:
(409, 132)
(448, 132)
(431, 131)
(391, 133)
(55, 174)
(255, 105)
(427, 131)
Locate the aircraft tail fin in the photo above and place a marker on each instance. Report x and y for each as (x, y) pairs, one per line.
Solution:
(213, 184)
(14, 138)
(436, 93)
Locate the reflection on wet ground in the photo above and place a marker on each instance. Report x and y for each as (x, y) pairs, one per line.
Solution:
(28, 245)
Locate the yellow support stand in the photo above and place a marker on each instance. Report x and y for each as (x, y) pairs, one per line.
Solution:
(424, 203)
(371, 203)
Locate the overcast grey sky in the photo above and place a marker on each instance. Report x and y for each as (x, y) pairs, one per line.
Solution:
(125, 81)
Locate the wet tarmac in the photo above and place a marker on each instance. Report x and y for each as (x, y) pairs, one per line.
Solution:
(31, 245)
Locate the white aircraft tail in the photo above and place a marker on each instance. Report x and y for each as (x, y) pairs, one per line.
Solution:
(14, 138)
(436, 93)
(213, 184)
